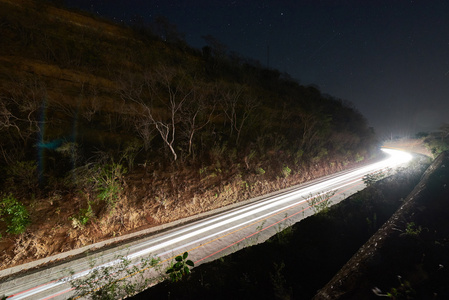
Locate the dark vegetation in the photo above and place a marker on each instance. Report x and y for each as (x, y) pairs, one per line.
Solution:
(437, 142)
(408, 257)
(111, 129)
(297, 262)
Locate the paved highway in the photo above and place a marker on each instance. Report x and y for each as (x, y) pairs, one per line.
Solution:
(207, 239)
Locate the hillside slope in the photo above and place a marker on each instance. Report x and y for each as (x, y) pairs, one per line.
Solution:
(107, 129)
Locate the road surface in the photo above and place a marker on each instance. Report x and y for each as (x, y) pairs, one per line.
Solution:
(208, 239)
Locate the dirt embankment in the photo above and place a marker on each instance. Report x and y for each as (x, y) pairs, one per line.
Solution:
(408, 257)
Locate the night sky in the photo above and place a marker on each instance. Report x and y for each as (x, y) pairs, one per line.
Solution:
(390, 58)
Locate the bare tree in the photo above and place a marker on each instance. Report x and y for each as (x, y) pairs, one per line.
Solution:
(167, 88)
(313, 129)
(93, 104)
(144, 128)
(237, 107)
(249, 104)
(7, 119)
(21, 104)
(196, 114)
(26, 96)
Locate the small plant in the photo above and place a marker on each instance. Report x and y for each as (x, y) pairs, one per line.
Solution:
(297, 156)
(321, 202)
(260, 227)
(359, 158)
(412, 230)
(117, 281)
(180, 268)
(279, 282)
(260, 171)
(84, 216)
(286, 171)
(403, 291)
(284, 233)
(372, 223)
(108, 183)
(203, 170)
(130, 153)
(14, 214)
(371, 178)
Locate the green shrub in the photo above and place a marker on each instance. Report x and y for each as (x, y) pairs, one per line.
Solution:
(412, 230)
(84, 216)
(321, 202)
(371, 178)
(298, 155)
(260, 171)
(130, 153)
(436, 146)
(286, 171)
(321, 154)
(108, 183)
(14, 214)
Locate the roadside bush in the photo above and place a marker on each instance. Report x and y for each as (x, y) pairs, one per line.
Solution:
(108, 183)
(260, 171)
(22, 176)
(130, 152)
(321, 202)
(286, 171)
(371, 178)
(436, 146)
(83, 217)
(117, 281)
(14, 214)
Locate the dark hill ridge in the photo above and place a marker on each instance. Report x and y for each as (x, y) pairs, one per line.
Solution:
(408, 257)
(107, 129)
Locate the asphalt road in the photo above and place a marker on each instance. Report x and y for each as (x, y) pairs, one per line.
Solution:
(207, 239)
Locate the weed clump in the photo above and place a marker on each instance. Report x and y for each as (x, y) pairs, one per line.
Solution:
(14, 214)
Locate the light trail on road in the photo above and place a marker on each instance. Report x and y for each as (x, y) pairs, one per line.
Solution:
(210, 238)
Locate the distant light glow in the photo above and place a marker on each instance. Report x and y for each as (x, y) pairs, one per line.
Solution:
(397, 157)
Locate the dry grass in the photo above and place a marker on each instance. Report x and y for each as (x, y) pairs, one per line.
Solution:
(146, 202)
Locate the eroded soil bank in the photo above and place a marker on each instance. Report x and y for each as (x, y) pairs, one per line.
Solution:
(300, 260)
